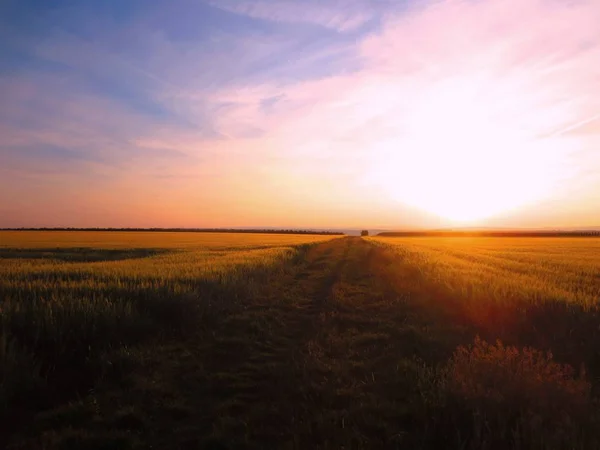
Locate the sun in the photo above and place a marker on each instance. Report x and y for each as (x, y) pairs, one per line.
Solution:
(457, 159)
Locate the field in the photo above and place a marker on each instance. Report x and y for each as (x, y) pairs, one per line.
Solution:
(207, 340)
(535, 269)
(70, 298)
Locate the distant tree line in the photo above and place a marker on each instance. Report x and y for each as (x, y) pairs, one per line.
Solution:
(540, 233)
(187, 230)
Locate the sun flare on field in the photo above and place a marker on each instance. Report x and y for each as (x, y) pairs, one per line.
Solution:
(466, 160)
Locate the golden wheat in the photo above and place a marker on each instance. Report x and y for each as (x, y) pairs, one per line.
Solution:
(533, 269)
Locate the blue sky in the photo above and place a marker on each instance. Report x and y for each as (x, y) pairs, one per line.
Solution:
(144, 56)
(227, 112)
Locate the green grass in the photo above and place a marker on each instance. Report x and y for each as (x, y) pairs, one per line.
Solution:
(312, 343)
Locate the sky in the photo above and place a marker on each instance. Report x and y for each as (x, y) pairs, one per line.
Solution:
(312, 113)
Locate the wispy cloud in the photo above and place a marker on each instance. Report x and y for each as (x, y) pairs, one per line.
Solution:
(338, 15)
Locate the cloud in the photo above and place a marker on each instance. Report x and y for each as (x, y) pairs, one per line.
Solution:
(51, 124)
(338, 15)
(493, 80)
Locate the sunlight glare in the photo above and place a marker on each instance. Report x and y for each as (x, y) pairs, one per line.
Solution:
(461, 160)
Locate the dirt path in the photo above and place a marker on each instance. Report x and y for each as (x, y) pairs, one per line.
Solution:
(317, 359)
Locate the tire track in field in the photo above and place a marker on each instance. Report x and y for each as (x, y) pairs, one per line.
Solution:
(262, 394)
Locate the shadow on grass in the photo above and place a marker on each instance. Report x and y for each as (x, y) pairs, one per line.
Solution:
(493, 396)
(55, 343)
(83, 254)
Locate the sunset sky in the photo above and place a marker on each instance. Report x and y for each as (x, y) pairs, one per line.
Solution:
(312, 113)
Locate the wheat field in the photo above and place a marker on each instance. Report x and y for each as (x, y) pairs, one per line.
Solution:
(67, 298)
(150, 239)
(504, 269)
(202, 340)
